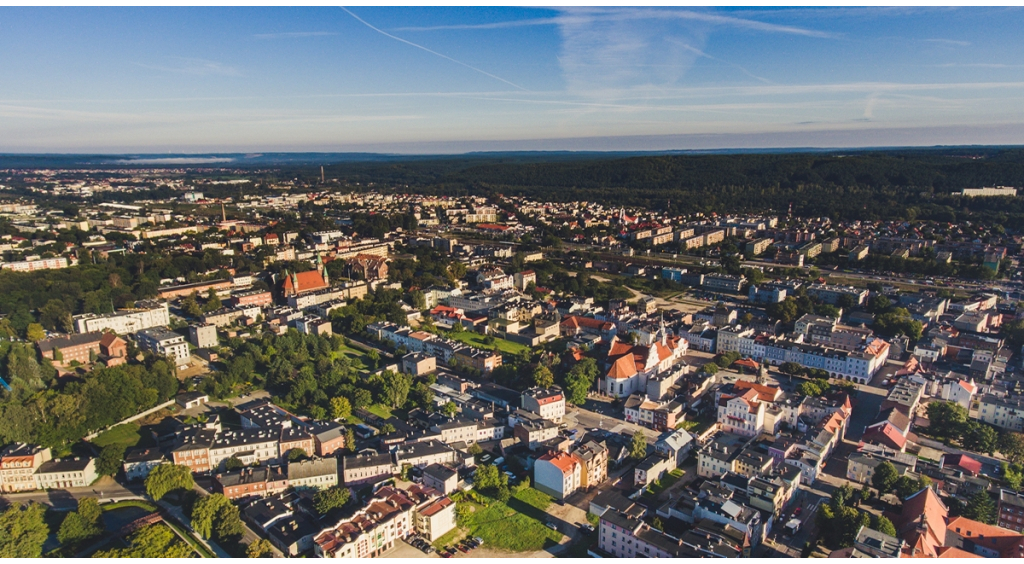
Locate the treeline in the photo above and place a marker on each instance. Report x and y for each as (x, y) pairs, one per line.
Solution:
(57, 417)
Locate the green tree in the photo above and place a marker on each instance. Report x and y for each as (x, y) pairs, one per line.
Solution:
(22, 531)
(981, 508)
(884, 526)
(884, 478)
(261, 548)
(374, 358)
(449, 409)
(1013, 476)
(394, 388)
(907, 486)
(110, 459)
(387, 428)
(56, 317)
(979, 437)
(350, 439)
(190, 305)
(542, 376)
(946, 418)
(233, 463)
(35, 332)
(710, 368)
(791, 368)
(638, 447)
(1011, 445)
(341, 408)
(151, 541)
(81, 525)
(215, 517)
(324, 501)
(213, 302)
(166, 478)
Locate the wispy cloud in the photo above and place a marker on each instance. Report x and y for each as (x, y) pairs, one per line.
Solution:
(185, 65)
(955, 42)
(431, 51)
(293, 34)
(734, 65)
(979, 65)
(595, 15)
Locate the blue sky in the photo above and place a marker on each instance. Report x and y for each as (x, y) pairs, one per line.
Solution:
(462, 79)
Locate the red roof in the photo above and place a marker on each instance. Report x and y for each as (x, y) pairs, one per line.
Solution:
(561, 460)
(1009, 544)
(308, 281)
(885, 434)
(962, 461)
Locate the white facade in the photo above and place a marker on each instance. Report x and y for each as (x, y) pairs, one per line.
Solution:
(124, 321)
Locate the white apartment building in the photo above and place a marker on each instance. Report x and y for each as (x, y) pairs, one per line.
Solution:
(162, 341)
(1006, 413)
(144, 315)
(549, 403)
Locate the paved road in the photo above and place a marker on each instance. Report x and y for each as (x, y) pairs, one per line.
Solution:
(106, 489)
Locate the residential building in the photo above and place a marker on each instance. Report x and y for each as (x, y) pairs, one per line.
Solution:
(549, 403)
(316, 473)
(139, 462)
(557, 474)
(435, 519)
(203, 336)
(366, 468)
(1004, 412)
(145, 314)
(18, 465)
(250, 482)
(163, 342)
(441, 477)
(77, 472)
(1011, 510)
(78, 349)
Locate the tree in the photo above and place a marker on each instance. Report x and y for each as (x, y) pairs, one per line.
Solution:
(341, 408)
(449, 409)
(638, 448)
(1013, 476)
(350, 439)
(946, 418)
(981, 508)
(190, 305)
(166, 478)
(296, 454)
(35, 332)
(261, 548)
(151, 541)
(22, 531)
(110, 459)
(884, 526)
(489, 479)
(884, 478)
(542, 376)
(394, 388)
(214, 516)
(906, 487)
(325, 501)
(374, 358)
(212, 301)
(979, 437)
(82, 525)
(56, 317)
(1011, 445)
(791, 368)
(233, 463)
(578, 384)
(710, 368)
(387, 428)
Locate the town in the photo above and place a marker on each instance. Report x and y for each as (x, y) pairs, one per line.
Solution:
(221, 362)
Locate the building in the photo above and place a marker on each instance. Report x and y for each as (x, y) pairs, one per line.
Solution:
(113, 350)
(317, 473)
(255, 298)
(987, 192)
(163, 342)
(440, 477)
(1006, 413)
(67, 473)
(203, 336)
(299, 283)
(314, 325)
(1011, 510)
(63, 351)
(369, 267)
(557, 474)
(251, 482)
(652, 469)
(139, 462)
(623, 536)
(251, 446)
(328, 437)
(834, 294)
(18, 465)
(594, 458)
(549, 403)
(418, 364)
(145, 314)
(436, 519)
(387, 517)
(366, 468)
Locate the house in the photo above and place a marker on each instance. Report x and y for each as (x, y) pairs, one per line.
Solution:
(960, 462)
(594, 458)
(77, 472)
(113, 350)
(418, 364)
(63, 351)
(163, 342)
(328, 437)
(318, 473)
(188, 400)
(549, 403)
(203, 335)
(436, 519)
(293, 534)
(675, 445)
(248, 482)
(366, 468)
(369, 267)
(18, 465)
(652, 469)
(441, 477)
(138, 462)
(557, 474)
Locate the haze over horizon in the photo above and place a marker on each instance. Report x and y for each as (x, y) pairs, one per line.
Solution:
(453, 80)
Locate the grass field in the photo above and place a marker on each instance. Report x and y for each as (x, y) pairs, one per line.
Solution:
(665, 483)
(355, 356)
(380, 410)
(127, 434)
(477, 340)
(516, 526)
(128, 503)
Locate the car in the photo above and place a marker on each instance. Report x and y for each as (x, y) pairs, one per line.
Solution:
(479, 540)
(796, 512)
(462, 549)
(552, 526)
(446, 555)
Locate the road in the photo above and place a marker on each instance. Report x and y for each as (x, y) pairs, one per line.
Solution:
(105, 489)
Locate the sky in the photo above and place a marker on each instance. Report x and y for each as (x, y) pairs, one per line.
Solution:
(457, 79)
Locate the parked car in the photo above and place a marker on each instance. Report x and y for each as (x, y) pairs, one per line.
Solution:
(552, 526)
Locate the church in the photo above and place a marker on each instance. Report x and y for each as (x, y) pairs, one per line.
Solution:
(299, 283)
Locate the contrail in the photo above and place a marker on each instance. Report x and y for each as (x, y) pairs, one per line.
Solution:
(734, 65)
(446, 57)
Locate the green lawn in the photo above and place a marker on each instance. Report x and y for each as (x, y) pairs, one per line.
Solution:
(516, 526)
(355, 356)
(127, 434)
(475, 339)
(665, 483)
(128, 503)
(380, 410)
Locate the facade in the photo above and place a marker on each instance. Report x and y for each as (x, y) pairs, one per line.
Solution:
(549, 403)
(1006, 413)
(66, 473)
(557, 474)
(388, 517)
(18, 465)
(161, 341)
(203, 336)
(63, 351)
(435, 519)
(366, 468)
(440, 477)
(34, 265)
(251, 482)
(138, 463)
(144, 315)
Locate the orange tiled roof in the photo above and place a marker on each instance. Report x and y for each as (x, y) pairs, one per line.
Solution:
(1009, 544)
